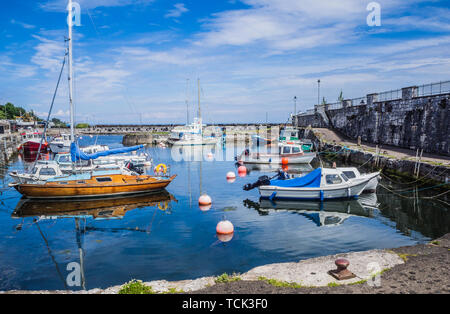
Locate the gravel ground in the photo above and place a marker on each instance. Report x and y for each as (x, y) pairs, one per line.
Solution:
(427, 270)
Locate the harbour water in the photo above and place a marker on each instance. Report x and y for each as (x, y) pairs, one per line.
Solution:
(166, 236)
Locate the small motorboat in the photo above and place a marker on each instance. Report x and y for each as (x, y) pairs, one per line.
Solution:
(60, 144)
(283, 154)
(320, 184)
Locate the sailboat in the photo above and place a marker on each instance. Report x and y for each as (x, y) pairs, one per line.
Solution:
(192, 134)
(95, 183)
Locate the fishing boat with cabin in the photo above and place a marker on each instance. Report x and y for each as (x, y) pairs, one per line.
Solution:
(321, 184)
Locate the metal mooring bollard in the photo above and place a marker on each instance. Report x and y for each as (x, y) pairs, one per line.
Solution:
(342, 273)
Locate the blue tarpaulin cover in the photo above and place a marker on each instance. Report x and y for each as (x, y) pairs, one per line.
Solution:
(311, 180)
(76, 154)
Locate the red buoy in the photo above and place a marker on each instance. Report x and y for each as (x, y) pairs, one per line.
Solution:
(284, 161)
(242, 171)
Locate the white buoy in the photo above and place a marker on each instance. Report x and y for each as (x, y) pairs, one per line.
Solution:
(205, 200)
(225, 227)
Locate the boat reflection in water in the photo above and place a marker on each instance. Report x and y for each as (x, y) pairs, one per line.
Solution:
(81, 210)
(323, 214)
(108, 208)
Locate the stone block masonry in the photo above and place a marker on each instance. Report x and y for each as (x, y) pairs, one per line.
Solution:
(411, 121)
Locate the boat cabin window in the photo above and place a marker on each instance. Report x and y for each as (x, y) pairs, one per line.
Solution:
(64, 158)
(350, 174)
(104, 179)
(344, 177)
(333, 179)
(47, 172)
(295, 150)
(286, 150)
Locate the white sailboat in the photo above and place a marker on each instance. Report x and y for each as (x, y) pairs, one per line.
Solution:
(192, 134)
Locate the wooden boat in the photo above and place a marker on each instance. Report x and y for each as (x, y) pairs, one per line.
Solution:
(321, 184)
(94, 184)
(109, 208)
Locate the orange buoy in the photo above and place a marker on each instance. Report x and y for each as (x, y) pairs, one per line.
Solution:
(204, 200)
(242, 171)
(225, 227)
(284, 161)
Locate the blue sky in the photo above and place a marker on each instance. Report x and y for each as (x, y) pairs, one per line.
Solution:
(132, 59)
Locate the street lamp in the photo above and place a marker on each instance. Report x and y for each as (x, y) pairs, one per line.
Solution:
(295, 111)
(318, 92)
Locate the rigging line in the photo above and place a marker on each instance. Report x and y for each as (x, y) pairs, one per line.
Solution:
(50, 112)
(51, 256)
(93, 24)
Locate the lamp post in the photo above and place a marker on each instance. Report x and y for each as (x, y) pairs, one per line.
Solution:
(318, 92)
(295, 111)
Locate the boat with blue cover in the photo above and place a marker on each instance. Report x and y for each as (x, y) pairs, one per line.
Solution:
(320, 184)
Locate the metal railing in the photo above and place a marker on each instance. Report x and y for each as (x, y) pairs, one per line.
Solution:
(434, 89)
(438, 88)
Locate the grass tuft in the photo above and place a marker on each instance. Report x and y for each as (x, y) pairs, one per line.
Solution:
(224, 278)
(136, 287)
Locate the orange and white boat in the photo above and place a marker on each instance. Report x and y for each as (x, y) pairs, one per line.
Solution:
(94, 184)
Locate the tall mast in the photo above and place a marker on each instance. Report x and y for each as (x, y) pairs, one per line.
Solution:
(70, 23)
(187, 101)
(199, 110)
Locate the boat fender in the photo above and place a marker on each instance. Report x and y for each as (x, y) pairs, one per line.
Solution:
(322, 196)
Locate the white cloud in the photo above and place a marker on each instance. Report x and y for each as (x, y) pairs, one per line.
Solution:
(24, 25)
(179, 10)
(61, 5)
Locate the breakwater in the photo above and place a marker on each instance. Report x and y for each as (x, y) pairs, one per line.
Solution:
(413, 117)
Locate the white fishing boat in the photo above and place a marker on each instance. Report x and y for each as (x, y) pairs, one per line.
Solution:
(60, 144)
(320, 184)
(291, 135)
(283, 154)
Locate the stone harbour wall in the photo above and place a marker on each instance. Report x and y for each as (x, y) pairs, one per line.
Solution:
(409, 122)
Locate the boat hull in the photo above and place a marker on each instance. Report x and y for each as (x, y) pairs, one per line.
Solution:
(274, 192)
(278, 159)
(121, 185)
(32, 147)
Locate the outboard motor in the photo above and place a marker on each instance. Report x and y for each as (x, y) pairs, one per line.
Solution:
(264, 180)
(132, 167)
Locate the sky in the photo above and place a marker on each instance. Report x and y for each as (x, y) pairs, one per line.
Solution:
(139, 61)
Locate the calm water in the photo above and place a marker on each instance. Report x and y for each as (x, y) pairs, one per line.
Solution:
(167, 236)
